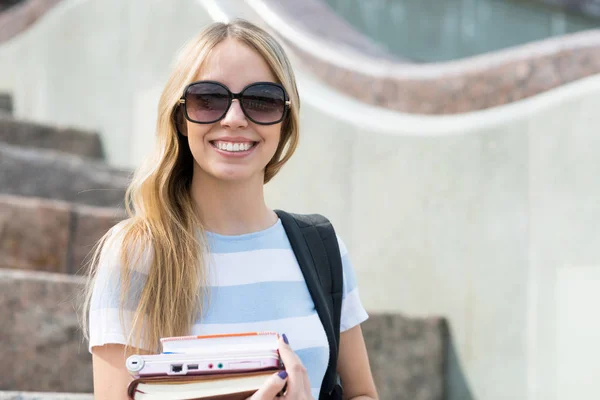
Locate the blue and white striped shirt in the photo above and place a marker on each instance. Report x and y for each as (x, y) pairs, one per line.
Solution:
(255, 285)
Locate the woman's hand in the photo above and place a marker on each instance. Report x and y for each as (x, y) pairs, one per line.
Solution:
(111, 377)
(298, 385)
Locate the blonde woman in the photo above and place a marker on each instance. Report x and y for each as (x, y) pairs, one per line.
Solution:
(201, 252)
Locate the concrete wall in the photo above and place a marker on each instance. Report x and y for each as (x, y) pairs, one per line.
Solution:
(474, 217)
(477, 217)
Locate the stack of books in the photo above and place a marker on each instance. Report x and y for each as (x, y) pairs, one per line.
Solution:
(224, 367)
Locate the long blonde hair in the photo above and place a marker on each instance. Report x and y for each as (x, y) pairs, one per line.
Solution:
(162, 222)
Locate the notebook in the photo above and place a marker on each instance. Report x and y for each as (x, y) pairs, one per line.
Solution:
(222, 367)
(238, 386)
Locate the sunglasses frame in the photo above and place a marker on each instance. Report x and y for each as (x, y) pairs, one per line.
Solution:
(236, 96)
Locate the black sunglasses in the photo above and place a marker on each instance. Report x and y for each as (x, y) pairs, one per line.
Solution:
(206, 102)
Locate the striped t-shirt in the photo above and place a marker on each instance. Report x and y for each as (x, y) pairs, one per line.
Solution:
(255, 285)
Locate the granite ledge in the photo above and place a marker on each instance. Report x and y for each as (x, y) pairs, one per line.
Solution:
(459, 86)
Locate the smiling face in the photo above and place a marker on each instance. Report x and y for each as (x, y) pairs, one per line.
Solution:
(233, 148)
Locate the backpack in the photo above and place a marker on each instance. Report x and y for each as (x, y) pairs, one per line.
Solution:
(316, 248)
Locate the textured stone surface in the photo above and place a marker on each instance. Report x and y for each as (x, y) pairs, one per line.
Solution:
(28, 134)
(54, 175)
(466, 90)
(34, 234)
(21, 16)
(43, 396)
(49, 235)
(40, 333)
(407, 356)
(469, 84)
(88, 225)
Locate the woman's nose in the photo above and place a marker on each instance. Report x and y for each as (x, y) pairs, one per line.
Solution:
(235, 117)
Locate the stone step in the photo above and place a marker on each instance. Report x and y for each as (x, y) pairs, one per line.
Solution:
(40, 330)
(55, 175)
(407, 355)
(29, 134)
(50, 235)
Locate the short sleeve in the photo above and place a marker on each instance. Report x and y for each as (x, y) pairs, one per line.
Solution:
(353, 312)
(105, 325)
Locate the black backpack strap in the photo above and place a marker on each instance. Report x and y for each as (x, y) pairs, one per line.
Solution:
(315, 245)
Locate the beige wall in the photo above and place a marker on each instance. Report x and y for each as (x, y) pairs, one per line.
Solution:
(472, 216)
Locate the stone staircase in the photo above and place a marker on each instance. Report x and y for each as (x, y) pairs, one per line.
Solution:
(57, 198)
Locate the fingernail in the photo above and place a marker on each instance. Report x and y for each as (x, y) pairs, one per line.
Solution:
(285, 339)
(282, 374)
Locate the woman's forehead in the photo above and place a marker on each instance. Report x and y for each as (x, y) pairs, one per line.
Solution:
(236, 65)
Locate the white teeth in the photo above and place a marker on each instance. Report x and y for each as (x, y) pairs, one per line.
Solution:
(233, 147)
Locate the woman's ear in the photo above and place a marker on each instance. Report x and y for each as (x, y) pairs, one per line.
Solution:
(180, 121)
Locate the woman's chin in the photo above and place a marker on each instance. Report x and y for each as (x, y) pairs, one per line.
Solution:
(234, 175)
(230, 172)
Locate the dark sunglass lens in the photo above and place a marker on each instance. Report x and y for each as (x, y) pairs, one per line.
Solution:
(264, 103)
(206, 102)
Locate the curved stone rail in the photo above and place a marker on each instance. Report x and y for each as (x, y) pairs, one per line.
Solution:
(345, 59)
(21, 16)
(460, 86)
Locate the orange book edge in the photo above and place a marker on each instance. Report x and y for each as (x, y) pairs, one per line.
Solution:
(220, 335)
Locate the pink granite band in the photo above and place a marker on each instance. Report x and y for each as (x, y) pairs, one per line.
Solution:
(465, 85)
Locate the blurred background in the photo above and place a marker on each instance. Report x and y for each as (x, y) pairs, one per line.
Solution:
(454, 144)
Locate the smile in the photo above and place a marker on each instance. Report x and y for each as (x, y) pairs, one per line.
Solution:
(233, 147)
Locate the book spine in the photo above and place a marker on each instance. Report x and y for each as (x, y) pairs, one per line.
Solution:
(173, 344)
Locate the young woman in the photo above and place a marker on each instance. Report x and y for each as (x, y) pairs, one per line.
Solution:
(201, 252)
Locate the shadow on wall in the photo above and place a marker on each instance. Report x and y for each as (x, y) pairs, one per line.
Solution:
(456, 385)
(6, 105)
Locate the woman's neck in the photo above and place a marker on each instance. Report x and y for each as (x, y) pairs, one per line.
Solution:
(231, 208)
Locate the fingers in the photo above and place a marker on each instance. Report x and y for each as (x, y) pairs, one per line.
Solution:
(298, 378)
(271, 387)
